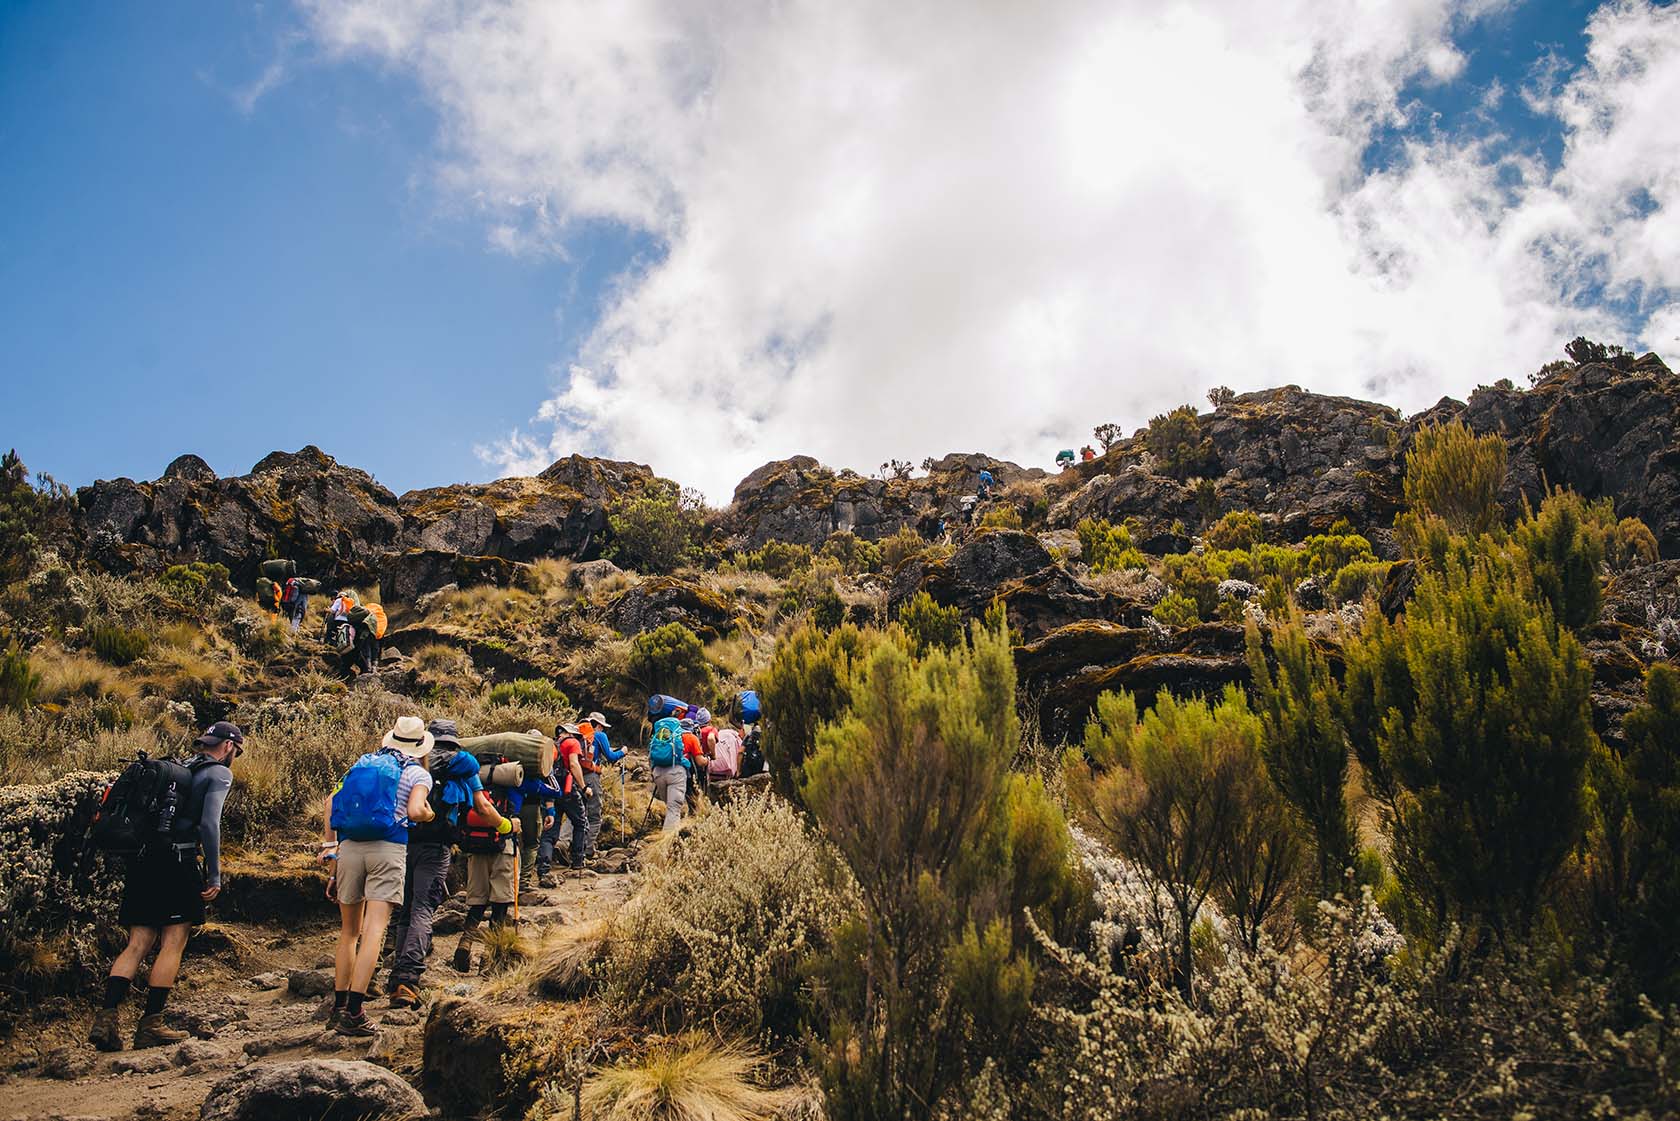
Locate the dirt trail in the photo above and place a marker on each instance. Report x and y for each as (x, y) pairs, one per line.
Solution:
(233, 995)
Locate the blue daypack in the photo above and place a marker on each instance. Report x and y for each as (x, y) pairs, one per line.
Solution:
(750, 709)
(365, 806)
(665, 748)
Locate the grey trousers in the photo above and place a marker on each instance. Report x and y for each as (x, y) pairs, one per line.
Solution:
(592, 813)
(670, 785)
(424, 891)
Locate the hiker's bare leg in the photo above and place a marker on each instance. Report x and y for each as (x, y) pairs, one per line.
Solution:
(349, 929)
(140, 939)
(168, 962)
(373, 938)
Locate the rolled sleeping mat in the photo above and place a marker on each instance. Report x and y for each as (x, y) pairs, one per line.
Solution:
(308, 586)
(659, 705)
(506, 775)
(265, 592)
(532, 749)
(279, 569)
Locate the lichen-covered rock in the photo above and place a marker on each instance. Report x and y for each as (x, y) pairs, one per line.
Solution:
(665, 599)
(481, 1060)
(312, 1090)
(50, 888)
(410, 575)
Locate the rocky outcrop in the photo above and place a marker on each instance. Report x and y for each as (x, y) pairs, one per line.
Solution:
(664, 599)
(481, 1060)
(1015, 569)
(801, 501)
(335, 521)
(1603, 429)
(312, 1090)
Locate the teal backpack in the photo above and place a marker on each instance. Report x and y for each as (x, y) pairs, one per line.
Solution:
(665, 749)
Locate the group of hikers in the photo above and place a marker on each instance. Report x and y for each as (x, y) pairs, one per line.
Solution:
(390, 832)
(354, 629)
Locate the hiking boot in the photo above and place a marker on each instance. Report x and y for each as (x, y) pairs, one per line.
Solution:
(463, 959)
(151, 1032)
(333, 1017)
(532, 899)
(106, 1032)
(405, 997)
(545, 879)
(356, 1025)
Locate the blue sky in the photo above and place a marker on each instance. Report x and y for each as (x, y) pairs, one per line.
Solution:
(446, 241)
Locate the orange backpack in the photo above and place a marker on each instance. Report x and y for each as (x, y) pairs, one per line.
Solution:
(379, 623)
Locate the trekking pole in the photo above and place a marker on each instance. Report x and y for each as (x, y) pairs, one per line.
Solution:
(623, 807)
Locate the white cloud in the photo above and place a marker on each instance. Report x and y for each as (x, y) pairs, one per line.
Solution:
(891, 230)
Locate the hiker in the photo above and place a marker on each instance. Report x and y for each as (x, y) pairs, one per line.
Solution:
(492, 851)
(1087, 453)
(984, 490)
(294, 601)
(668, 756)
(166, 890)
(598, 748)
(1064, 459)
(534, 801)
(366, 833)
(574, 791)
(752, 753)
(726, 754)
(456, 791)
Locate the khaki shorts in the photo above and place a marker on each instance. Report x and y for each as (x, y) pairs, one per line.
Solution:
(371, 870)
(492, 877)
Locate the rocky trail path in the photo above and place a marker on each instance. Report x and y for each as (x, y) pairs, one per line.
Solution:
(259, 991)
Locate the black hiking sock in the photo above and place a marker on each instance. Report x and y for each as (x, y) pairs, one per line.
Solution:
(341, 997)
(475, 914)
(499, 913)
(116, 990)
(155, 999)
(354, 1007)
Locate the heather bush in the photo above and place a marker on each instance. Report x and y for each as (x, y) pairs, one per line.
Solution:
(669, 659)
(654, 531)
(530, 692)
(853, 552)
(731, 955)
(1175, 610)
(1455, 475)
(1107, 548)
(31, 516)
(116, 644)
(1180, 448)
(900, 547)
(195, 582)
(1470, 717)
(929, 625)
(1237, 529)
(18, 679)
(808, 681)
(778, 558)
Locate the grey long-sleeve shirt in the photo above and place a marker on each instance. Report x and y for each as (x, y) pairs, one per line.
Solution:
(201, 814)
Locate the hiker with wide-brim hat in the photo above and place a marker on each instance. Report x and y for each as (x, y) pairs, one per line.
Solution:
(597, 751)
(365, 834)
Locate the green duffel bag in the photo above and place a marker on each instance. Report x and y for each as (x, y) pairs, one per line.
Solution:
(533, 750)
(279, 570)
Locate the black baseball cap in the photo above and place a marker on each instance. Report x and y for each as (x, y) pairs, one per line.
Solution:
(221, 732)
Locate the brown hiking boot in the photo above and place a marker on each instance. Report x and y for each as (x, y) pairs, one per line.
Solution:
(356, 1025)
(106, 1032)
(151, 1032)
(405, 997)
(463, 958)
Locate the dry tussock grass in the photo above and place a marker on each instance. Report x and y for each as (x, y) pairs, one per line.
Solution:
(690, 1078)
(66, 676)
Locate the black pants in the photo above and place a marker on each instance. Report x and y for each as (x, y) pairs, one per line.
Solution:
(572, 806)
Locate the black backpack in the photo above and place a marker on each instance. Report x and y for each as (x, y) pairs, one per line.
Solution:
(752, 755)
(140, 806)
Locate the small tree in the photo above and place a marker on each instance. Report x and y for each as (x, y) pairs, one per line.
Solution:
(1181, 793)
(1652, 768)
(1176, 441)
(1108, 434)
(1108, 548)
(1305, 747)
(654, 531)
(928, 625)
(808, 681)
(1237, 529)
(1563, 548)
(1455, 475)
(1470, 716)
(912, 785)
(1583, 351)
(30, 516)
(1220, 396)
(670, 659)
(18, 679)
(896, 469)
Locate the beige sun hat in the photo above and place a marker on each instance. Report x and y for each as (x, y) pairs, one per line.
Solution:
(409, 737)
(598, 720)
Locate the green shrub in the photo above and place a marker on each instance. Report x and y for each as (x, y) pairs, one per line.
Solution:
(18, 680)
(928, 625)
(31, 515)
(1182, 793)
(1108, 548)
(1471, 718)
(118, 645)
(853, 552)
(1176, 610)
(808, 681)
(1238, 529)
(192, 582)
(1305, 747)
(829, 610)
(900, 547)
(1455, 475)
(654, 531)
(1357, 580)
(930, 982)
(531, 692)
(1001, 517)
(1176, 441)
(670, 659)
(777, 558)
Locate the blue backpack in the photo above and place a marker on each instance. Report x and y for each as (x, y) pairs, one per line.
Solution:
(365, 807)
(665, 749)
(750, 708)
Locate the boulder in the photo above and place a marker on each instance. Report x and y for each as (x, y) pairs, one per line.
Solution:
(586, 574)
(312, 1090)
(480, 1060)
(411, 574)
(658, 600)
(1006, 565)
(309, 982)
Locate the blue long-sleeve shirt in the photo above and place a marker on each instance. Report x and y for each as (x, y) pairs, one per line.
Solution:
(602, 748)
